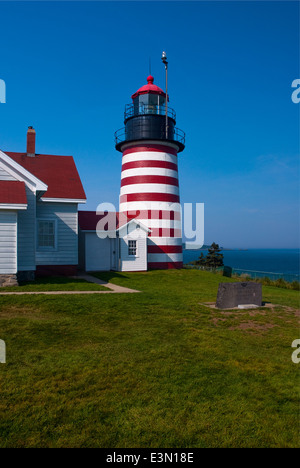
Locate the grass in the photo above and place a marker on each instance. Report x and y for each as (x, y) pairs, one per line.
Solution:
(55, 283)
(278, 283)
(265, 280)
(156, 369)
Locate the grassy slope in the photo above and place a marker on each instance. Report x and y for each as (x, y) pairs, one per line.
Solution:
(149, 370)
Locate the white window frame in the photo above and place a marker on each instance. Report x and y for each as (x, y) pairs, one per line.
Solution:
(136, 248)
(41, 248)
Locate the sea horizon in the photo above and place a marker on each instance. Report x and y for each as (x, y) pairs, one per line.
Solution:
(206, 246)
(272, 262)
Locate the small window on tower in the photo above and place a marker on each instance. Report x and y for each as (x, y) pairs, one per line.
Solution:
(132, 247)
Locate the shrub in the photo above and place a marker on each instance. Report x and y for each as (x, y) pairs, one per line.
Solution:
(295, 285)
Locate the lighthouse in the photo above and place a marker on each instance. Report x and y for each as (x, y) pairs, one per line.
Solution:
(150, 143)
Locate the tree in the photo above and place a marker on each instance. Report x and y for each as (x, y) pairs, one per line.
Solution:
(200, 261)
(214, 258)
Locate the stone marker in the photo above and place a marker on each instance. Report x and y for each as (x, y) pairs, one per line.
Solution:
(233, 294)
(227, 271)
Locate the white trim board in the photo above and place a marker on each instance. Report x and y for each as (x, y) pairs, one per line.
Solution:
(62, 200)
(13, 206)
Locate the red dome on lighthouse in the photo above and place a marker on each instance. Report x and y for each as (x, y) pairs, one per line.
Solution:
(149, 88)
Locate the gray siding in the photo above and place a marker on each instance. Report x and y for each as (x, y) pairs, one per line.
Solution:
(5, 175)
(8, 242)
(26, 234)
(66, 251)
(25, 230)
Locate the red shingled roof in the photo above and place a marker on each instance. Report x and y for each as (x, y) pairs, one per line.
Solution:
(12, 192)
(58, 172)
(88, 220)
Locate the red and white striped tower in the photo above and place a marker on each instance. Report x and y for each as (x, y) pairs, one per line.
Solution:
(149, 181)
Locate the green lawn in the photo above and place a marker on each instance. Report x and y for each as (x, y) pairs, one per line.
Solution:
(155, 369)
(55, 283)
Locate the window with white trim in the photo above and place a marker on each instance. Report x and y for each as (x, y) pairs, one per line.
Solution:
(46, 234)
(132, 247)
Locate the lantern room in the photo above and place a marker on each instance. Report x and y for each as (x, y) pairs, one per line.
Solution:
(149, 99)
(149, 117)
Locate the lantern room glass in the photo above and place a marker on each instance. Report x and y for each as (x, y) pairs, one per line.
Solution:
(149, 104)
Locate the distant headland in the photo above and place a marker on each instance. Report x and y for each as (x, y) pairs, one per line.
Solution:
(189, 246)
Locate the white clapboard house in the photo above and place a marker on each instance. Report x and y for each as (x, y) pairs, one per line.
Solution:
(39, 197)
(41, 231)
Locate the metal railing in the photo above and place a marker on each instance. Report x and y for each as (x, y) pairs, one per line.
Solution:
(177, 135)
(253, 274)
(132, 110)
(262, 274)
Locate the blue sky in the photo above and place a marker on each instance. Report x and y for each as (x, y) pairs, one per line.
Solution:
(70, 68)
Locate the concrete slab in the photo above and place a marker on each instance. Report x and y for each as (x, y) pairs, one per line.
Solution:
(113, 287)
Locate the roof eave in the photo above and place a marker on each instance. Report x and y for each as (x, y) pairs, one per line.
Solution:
(21, 173)
(13, 206)
(63, 200)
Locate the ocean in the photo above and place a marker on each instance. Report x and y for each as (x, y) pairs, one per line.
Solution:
(273, 263)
